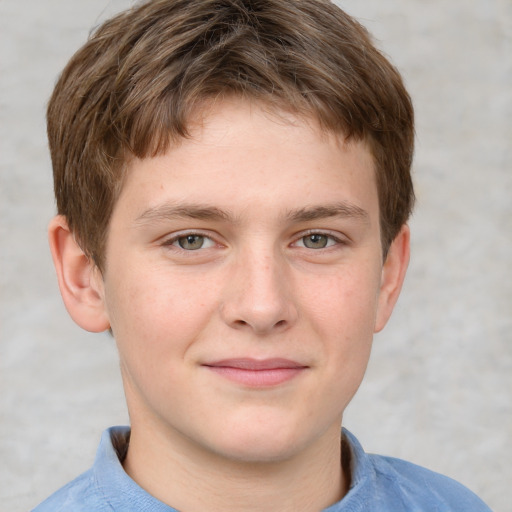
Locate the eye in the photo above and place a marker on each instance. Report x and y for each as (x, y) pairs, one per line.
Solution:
(317, 241)
(192, 242)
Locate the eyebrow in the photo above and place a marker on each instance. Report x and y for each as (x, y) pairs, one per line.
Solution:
(165, 212)
(177, 211)
(342, 209)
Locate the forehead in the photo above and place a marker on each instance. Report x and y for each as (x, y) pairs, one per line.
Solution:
(242, 153)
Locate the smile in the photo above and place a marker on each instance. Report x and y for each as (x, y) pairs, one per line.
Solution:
(257, 373)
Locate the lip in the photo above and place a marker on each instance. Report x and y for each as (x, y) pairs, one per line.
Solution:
(257, 372)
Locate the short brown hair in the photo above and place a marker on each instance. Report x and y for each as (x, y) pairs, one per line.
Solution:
(133, 87)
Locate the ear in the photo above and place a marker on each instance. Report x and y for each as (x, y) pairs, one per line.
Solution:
(393, 275)
(80, 281)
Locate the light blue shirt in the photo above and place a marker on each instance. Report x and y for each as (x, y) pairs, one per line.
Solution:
(379, 484)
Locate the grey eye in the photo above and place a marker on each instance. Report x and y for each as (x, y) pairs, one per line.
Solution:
(191, 242)
(315, 241)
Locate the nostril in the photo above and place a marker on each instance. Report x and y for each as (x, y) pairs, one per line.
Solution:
(280, 323)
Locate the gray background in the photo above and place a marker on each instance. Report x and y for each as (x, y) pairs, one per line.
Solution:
(439, 386)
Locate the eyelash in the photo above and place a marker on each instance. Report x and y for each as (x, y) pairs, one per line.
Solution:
(332, 240)
(173, 241)
(330, 236)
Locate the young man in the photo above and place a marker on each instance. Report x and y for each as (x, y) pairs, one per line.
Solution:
(233, 186)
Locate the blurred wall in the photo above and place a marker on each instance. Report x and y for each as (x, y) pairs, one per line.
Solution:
(438, 390)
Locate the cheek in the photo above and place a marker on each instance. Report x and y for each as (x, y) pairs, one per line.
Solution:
(346, 303)
(344, 318)
(160, 311)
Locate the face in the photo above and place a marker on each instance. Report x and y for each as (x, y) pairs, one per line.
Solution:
(243, 283)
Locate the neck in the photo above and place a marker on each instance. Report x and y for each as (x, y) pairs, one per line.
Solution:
(177, 474)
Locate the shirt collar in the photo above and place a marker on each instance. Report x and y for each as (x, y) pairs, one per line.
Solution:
(122, 493)
(117, 488)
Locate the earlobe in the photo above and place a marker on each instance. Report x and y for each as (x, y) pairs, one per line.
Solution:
(393, 275)
(80, 281)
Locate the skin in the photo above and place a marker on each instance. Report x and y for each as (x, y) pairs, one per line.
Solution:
(283, 260)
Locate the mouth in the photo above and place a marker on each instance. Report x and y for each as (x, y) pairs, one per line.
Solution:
(257, 373)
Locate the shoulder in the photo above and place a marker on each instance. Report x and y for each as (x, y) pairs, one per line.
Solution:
(105, 487)
(79, 495)
(394, 485)
(93, 490)
(418, 486)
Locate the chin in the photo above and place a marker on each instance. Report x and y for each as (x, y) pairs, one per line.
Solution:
(259, 453)
(261, 446)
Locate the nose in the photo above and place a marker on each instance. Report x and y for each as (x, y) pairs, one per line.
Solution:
(259, 295)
